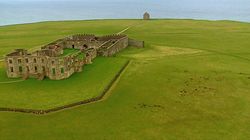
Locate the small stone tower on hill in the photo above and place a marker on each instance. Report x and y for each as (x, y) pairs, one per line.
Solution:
(146, 16)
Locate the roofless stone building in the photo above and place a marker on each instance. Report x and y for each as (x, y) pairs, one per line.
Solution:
(146, 16)
(61, 58)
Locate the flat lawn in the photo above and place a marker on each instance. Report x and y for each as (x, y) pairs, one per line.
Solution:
(192, 81)
(46, 94)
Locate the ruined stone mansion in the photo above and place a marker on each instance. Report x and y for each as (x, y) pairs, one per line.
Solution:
(61, 58)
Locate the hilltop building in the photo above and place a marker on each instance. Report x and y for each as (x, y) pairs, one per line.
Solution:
(146, 16)
(61, 58)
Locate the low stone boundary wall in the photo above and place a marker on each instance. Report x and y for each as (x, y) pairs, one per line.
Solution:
(40, 112)
(135, 43)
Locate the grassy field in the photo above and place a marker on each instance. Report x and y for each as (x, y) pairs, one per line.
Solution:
(192, 81)
(46, 94)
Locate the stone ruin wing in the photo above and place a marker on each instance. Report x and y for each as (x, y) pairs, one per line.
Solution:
(63, 57)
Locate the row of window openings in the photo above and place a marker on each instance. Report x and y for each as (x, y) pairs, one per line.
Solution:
(27, 61)
(21, 69)
(54, 71)
(84, 46)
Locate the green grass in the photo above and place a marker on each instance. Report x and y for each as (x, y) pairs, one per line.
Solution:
(67, 52)
(46, 94)
(81, 56)
(35, 35)
(190, 82)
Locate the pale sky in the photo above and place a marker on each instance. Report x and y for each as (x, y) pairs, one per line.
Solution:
(25, 11)
(181, 1)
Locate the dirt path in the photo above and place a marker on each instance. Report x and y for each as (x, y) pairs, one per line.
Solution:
(124, 30)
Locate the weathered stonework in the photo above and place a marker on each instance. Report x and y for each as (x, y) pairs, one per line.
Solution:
(146, 16)
(61, 58)
(136, 43)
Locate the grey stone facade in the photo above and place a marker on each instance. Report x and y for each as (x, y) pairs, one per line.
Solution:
(136, 43)
(61, 58)
(146, 16)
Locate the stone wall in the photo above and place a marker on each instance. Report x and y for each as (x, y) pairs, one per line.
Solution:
(146, 16)
(49, 62)
(56, 68)
(81, 44)
(81, 37)
(135, 43)
(90, 55)
(115, 47)
(21, 66)
(63, 67)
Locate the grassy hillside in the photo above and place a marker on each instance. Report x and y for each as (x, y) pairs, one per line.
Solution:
(192, 81)
(32, 36)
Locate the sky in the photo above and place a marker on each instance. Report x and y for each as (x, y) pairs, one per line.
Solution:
(23, 11)
(184, 2)
(200, 3)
